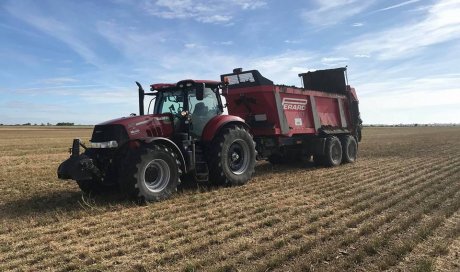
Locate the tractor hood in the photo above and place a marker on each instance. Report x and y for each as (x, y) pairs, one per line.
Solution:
(134, 127)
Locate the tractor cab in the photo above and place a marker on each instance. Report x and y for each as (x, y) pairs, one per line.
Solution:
(191, 103)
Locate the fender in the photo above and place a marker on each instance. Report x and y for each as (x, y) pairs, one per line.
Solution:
(167, 142)
(217, 122)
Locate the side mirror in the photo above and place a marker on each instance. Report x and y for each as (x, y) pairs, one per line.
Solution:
(200, 92)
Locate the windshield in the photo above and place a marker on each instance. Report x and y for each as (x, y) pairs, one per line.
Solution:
(173, 101)
(170, 102)
(200, 111)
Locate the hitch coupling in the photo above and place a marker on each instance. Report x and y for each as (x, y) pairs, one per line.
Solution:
(78, 166)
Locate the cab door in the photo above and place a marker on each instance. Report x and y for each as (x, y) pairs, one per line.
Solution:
(202, 111)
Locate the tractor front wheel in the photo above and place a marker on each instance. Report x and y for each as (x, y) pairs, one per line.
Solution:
(151, 173)
(232, 157)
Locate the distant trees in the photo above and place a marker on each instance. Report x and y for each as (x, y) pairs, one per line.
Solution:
(43, 124)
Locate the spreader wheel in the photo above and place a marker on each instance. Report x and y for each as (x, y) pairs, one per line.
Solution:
(333, 153)
(151, 173)
(232, 157)
(349, 149)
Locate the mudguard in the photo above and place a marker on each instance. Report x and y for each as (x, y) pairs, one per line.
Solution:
(216, 123)
(167, 142)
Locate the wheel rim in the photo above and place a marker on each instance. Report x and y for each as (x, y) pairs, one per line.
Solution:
(336, 152)
(238, 157)
(156, 175)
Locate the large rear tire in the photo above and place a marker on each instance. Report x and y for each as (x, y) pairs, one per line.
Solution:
(333, 153)
(232, 157)
(150, 173)
(349, 149)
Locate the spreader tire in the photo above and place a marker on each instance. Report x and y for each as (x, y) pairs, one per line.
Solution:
(333, 152)
(150, 173)
(349, 149)
(232, 157)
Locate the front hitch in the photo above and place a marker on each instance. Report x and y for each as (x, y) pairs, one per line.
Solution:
(75, 149)
(78, 166)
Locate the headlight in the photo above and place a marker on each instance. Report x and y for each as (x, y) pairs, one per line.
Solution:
(109, 144)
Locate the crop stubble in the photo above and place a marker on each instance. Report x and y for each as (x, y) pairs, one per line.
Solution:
(396, 208)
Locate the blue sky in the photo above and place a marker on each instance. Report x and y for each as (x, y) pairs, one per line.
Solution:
(76, 61)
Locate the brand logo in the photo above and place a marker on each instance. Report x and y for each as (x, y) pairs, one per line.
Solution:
(294, 104)
(134, 131)
(162, 118)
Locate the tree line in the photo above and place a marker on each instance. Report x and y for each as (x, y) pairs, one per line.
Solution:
(43, 124)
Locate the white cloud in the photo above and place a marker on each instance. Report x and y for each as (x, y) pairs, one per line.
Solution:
(334, 11)
(250, 4)
(292, 41)
(441, 24)
(214, 18)
(204, 11)
(408, 100)
(227, 43)
(191, 45)
(54, 28)
(397, 5)
(132, 42)
(58, 80)
(334, 61)
(357, 24)
(284, 68)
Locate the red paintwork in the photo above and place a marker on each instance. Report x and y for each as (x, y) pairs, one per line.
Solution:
(145, 126)
(217, 122)
(353, 94)
(160, 86)
(296, 107)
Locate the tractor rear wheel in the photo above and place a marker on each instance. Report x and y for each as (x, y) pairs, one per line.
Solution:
(232, 157)
(333, 153)
(151, 173)
(349, 149)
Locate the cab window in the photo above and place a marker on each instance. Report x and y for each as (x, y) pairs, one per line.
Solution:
(202, 111)
(171, 102)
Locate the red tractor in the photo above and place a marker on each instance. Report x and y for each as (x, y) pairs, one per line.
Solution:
(187, 134)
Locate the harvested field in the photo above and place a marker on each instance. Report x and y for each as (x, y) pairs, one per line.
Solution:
(397, 208)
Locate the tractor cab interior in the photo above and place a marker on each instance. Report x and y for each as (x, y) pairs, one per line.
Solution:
(198, 105)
